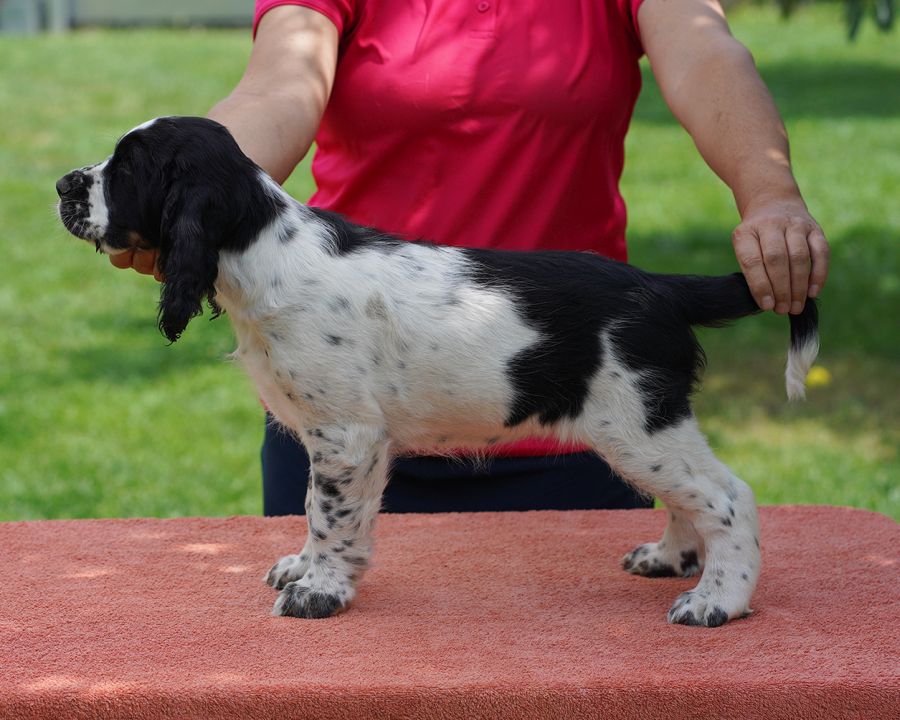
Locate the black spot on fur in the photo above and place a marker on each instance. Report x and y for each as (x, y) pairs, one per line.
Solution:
(334, 339)
(339, 303)
(327, 485)
(689, 561)
(287, 233)
(655, 468)
(717, 617)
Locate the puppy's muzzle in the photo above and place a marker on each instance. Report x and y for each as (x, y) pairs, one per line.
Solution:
(70, 183)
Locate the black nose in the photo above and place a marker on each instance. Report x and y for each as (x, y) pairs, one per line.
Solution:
(69, 182)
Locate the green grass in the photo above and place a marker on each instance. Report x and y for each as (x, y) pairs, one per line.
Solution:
(99, 417)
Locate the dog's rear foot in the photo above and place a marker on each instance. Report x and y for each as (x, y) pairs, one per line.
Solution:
(651, 560)
(286, 570)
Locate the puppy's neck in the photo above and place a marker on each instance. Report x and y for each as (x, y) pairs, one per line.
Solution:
(283, 257)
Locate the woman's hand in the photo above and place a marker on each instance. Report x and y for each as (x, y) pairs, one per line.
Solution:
(145, 262)
(783, 254)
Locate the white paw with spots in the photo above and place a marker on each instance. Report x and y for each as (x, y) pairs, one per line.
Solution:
(661, 560)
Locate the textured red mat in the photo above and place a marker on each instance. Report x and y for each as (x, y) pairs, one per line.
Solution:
(518, 615)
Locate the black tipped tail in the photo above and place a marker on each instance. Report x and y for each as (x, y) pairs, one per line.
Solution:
(803, 351)
(714, 301)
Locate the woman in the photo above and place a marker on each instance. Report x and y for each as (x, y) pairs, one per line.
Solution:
(501, 124)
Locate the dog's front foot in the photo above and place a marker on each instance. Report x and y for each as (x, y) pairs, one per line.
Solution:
(700, 607)
(300, 599)
(286, 570)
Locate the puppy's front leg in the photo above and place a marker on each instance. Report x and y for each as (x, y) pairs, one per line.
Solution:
(349, 472)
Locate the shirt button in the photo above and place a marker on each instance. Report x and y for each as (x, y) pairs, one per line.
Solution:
(483, 6)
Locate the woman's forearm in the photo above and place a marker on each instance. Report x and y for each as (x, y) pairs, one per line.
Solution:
(710, 82)
(275, 110)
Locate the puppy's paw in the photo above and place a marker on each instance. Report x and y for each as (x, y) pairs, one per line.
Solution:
(286, 570)
(699, 607)
(650, 560)
(300, 600)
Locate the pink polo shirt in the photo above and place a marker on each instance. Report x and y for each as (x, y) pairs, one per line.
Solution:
(480, 123)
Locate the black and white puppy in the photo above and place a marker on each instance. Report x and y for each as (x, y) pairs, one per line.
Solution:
(366, 346)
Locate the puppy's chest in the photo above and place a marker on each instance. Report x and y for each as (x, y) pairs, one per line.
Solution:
(299, 374)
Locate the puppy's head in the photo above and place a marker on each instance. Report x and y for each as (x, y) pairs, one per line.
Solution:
(179, 185)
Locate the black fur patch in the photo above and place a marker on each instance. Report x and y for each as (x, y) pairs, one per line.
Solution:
(572, 298)
(348, 237)
(689, 562)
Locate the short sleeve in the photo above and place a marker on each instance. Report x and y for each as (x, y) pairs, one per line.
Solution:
(340, 12)
(628, 10)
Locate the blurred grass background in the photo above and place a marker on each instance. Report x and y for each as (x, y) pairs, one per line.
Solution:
(99, 417)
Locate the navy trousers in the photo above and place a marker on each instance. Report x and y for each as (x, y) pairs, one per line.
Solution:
(577, 481)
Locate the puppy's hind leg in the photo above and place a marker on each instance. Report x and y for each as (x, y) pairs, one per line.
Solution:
(349, 472)
(675, 464)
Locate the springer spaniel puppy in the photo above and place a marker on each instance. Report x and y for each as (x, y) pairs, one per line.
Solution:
(365, 346)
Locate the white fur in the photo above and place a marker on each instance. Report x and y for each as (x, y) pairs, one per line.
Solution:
(798, 364)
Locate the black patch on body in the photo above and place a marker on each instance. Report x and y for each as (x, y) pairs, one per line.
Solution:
(348, 237)
(571, 298)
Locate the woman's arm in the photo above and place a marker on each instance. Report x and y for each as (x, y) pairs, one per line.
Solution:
(275, 109)
(710, 82)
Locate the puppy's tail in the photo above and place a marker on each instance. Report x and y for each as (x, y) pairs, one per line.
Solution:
(715, 301)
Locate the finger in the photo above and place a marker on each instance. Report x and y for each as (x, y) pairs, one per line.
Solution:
(798, 266)
(819, 255)
(144, 261)
(122, 260)
(775, 257)
(749, 257)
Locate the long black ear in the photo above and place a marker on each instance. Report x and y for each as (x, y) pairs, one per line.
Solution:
(189, 257)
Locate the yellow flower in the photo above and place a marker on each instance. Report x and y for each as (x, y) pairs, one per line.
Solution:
(818, 377)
